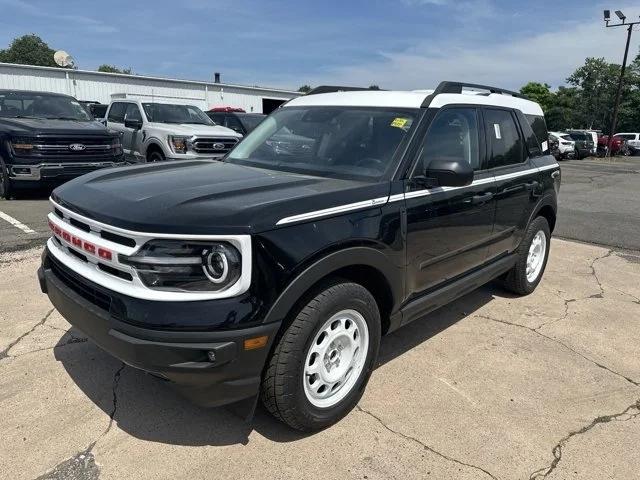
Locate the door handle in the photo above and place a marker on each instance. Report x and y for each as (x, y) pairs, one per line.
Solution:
(555, 174)
(531, 186)
(483, 198)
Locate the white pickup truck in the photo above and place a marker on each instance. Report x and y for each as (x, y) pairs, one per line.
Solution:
(153, 132)
(633, 141)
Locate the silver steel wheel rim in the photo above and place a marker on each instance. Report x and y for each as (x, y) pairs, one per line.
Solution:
(535, 258)
(336, 358)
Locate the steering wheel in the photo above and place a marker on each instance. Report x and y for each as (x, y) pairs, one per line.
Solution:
(370, 160)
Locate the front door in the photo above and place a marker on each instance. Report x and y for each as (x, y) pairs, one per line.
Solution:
(448, 228)
(132, 138)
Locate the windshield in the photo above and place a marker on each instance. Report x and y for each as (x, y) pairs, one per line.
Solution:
(580, 136)
(168, 113)
(41, 105)
(342, 142)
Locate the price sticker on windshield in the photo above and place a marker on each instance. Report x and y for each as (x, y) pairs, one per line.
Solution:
(401, 122)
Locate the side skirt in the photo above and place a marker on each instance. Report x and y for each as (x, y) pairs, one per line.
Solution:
(442, 296)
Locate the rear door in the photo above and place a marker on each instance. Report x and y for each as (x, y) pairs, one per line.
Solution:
(132, 139)
(517, 179)
(448, 228)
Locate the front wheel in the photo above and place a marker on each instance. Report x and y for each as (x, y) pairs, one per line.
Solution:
(5, 183)
(532, 255)
(322, 362)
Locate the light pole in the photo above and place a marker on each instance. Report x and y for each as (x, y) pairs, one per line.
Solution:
(623, 20)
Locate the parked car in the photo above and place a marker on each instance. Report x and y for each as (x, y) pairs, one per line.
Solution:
(97, 110)
(277, 274)
(47, 137)
(566, 146)
(632, 140)
(584, 144)
(241, 123)
(618, 145)
(153, 132)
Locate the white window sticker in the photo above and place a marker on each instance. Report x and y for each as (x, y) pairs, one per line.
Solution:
(496, 127)
(545, 146)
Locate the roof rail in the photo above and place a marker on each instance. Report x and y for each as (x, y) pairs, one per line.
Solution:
(456, 87)
(334, 88)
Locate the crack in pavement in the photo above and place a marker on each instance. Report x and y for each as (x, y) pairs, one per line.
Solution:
(82, 465)
(557, 449)
(5, 353)
(595, 274)
(425, 446)
(534, 330)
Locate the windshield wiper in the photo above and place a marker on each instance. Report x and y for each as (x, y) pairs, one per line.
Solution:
(66, 118)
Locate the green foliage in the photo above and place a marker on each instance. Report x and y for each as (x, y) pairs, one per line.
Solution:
(28, 50)
(588, 100)
(304, 89)
(374, 87)
(113, 69)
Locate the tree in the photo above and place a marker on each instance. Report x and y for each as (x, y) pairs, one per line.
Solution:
(374, 87)
(539, 93)
(28, 50)
(304, 89)
(113, 69)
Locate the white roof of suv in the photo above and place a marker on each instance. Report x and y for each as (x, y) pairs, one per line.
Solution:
(415, 99)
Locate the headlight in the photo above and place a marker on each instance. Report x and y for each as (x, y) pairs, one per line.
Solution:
(116, 146)
(179, 144)
(22, 145)
(189, 266)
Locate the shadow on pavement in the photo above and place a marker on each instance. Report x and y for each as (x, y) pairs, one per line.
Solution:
(147, 408)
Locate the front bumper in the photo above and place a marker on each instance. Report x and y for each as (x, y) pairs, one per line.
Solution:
(182, 358)
(56, 171)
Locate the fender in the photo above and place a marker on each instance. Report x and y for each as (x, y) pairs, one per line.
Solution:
(154, 141)
(548, 199)
(330, 263)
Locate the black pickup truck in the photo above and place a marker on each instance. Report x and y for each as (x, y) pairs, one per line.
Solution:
(342, 217)
(50, 138)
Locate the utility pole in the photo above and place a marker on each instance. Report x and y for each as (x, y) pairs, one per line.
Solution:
(616, 106)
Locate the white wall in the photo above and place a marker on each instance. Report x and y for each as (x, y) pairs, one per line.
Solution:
(96, 86)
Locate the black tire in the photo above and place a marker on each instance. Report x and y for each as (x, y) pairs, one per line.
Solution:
(6, 191)
(283, 392)
(155, 155)
(516, 279)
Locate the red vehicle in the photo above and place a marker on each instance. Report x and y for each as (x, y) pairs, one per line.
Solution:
(227, 109)
(616, 145)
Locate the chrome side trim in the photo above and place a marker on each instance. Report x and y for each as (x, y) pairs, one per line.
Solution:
(334, 210)
(135, 288)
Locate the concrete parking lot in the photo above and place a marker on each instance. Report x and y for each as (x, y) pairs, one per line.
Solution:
(491, 386)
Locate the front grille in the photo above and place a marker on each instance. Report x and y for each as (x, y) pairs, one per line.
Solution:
(86, 291)
(214, 145)
(62, 147)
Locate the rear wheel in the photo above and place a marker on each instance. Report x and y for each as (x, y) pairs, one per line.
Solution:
(532, 254)
(322, 362)
(5, 183)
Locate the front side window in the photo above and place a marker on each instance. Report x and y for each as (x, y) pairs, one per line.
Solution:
(169, 113)
(505, 144)
(116, 112)
(453, 135)
(341, 142)
(37, 105)
(133, 112)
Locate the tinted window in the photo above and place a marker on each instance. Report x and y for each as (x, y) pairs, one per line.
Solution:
(328, 141)
(41, 105)
(627, 136)
(170, 113)
(539, 127)
(453, 135)
(533, 144)
(217, 118)
(579, 136)
(505, 144)
(250, 121)
(133, 112)
(234, 124)
(116, 112)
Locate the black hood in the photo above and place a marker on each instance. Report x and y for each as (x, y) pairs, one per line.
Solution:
(44, 126)
(205, 197)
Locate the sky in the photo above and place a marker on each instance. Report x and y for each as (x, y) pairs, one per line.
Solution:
(396, 44)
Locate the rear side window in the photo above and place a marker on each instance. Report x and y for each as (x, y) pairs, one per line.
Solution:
(504, 140)
(539, 127)
(116, 112)
(534, 146)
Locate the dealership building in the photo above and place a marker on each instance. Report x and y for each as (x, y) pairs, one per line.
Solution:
(103, 87)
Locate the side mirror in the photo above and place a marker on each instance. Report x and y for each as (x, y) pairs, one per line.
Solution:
(450, 173)
(135, 124)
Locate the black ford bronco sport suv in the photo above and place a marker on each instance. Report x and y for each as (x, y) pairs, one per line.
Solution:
(50, 138)
(274, 273)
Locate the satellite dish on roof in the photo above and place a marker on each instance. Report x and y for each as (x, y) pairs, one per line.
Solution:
(63, 59)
